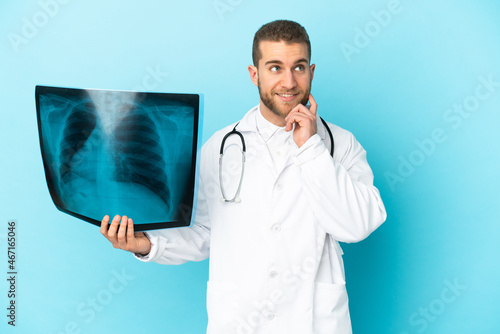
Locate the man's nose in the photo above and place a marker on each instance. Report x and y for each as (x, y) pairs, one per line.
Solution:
(288, 81)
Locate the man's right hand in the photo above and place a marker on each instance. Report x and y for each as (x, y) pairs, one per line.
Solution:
(123, 236)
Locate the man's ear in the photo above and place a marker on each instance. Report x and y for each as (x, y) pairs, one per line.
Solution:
(254, 74)
(312, 68)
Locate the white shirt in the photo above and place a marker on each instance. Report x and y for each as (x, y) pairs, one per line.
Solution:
(278, 141)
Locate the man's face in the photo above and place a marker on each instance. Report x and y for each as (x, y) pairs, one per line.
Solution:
(283, 77)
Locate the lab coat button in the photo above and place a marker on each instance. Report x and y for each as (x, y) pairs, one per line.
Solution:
(279, 186)
(273, 274)
(270, 316)
(276, 227)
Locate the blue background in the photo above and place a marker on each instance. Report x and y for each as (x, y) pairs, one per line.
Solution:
(393, 93)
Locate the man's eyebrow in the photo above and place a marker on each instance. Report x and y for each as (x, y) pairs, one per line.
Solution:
(273, 62)
(279, 62)
(303, 60)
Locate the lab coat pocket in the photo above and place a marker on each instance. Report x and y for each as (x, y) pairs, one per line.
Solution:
(331, 309)
(222, 309)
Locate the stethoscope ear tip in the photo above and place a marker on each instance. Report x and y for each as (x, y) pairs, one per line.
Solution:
(237, 200)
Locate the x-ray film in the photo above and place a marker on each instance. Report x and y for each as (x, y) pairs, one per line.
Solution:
(118, 152)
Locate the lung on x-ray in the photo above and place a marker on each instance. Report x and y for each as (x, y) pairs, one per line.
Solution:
(118, 152)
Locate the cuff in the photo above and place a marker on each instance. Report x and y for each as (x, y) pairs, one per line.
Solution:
(153, 239)
(310, 150)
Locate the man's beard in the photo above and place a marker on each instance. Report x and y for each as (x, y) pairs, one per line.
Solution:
(284, 109)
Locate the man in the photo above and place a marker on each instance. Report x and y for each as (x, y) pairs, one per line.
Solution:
(275, 261)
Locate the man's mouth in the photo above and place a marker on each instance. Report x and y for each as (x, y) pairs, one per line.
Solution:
(287, 96)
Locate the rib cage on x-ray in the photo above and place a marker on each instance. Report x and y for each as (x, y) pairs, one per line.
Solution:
(135, 144)
(78, 127)
(139, 156)
(116, 152)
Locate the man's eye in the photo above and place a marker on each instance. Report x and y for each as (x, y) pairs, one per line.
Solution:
(275, 69)
(299, 68)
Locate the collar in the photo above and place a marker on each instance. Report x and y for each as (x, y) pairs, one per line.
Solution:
(250, 123)
(265, 128)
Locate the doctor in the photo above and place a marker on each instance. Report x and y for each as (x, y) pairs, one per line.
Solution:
(275, 261)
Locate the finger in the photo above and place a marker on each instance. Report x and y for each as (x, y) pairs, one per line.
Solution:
(290, 120)
(104, 225)
(300, 117)
(297, 108)
(112, 229)
(296, 118)
(122, 232)
(314, 105)
(130, 230)
(300, 110)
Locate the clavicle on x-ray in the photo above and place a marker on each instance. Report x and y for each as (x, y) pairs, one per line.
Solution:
(120, 152)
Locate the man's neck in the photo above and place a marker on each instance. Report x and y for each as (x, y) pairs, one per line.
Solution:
(271, 117)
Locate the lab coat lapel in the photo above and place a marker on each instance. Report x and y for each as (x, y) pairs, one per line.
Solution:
(323, 133)
(321, 130)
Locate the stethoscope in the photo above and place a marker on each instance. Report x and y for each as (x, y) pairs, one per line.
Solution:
(236, 197)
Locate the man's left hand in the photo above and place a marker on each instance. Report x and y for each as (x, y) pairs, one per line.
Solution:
(305, 122)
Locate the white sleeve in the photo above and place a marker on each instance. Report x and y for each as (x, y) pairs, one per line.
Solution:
(341, 190)
(183, 244)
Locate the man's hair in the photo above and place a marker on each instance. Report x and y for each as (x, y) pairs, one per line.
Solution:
(277, 31)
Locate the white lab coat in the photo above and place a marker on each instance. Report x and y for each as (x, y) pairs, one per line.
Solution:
(275, 261)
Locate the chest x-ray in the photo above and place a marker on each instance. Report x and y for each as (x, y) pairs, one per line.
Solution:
(119, 152)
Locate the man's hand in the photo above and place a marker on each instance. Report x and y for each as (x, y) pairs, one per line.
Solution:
(305, 122)
(123, 237)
